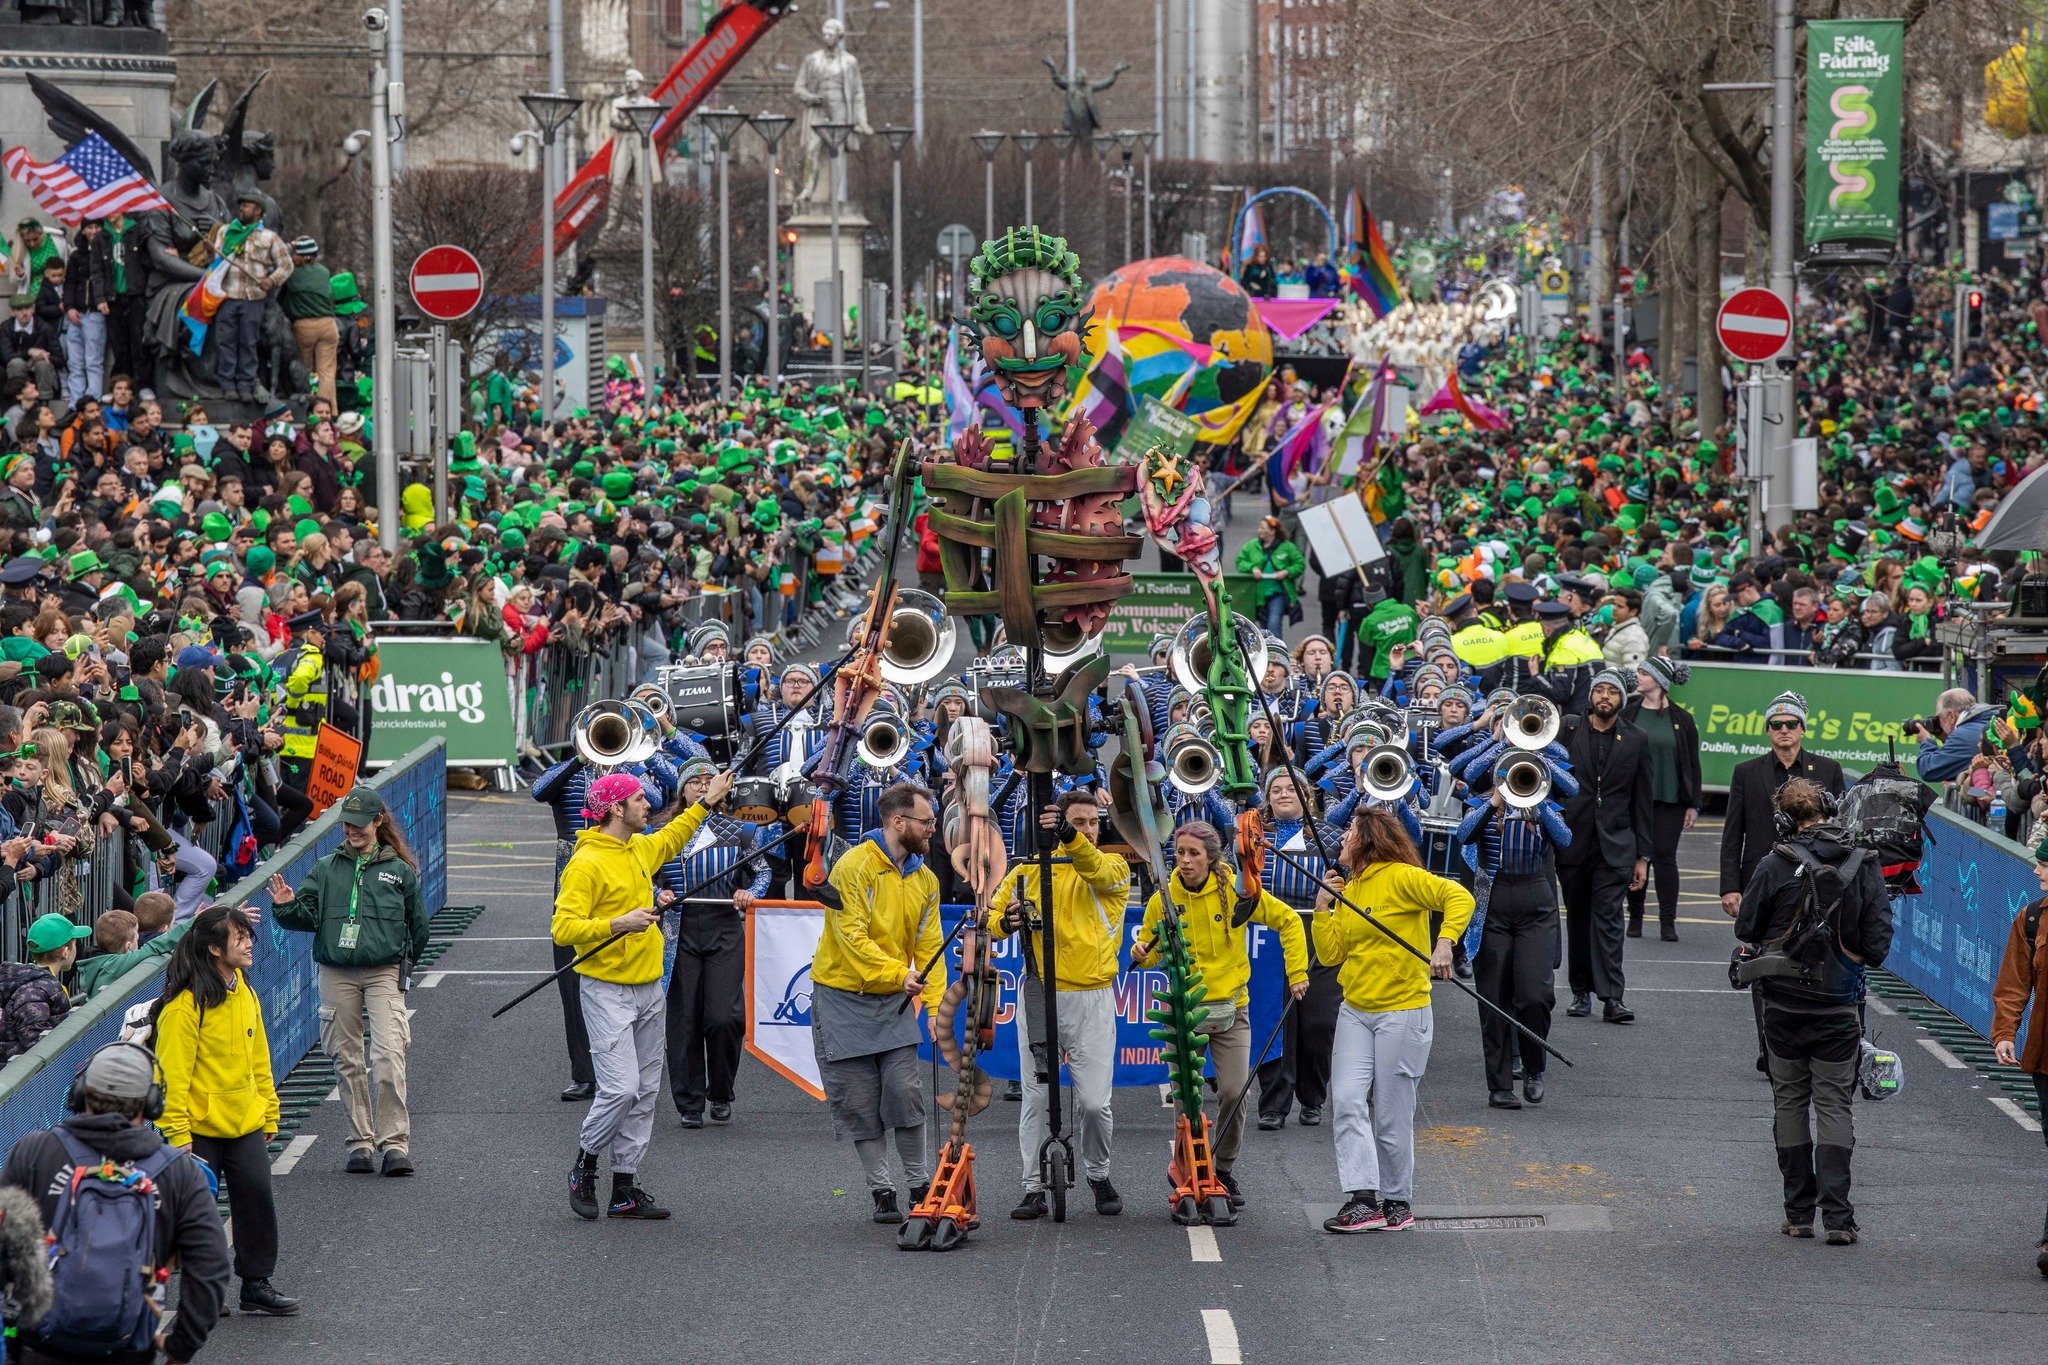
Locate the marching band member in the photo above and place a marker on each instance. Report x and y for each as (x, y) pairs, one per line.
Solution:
(1202, 887)
(1515, 959)
(1314, 658)
(1089, 890)
(1302, 1070)
(757, 671)
(1336, 698)
(1384, 1026)
(794, 742)
(707, 1021)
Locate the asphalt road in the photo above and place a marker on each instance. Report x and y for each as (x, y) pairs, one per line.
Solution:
(1656, 1148)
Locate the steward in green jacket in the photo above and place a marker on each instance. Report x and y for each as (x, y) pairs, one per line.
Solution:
(378, 894)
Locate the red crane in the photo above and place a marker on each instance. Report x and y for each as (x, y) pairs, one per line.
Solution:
(732, 31)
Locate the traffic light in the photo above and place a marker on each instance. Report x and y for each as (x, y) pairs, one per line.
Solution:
(789, 237)
(1973, 315)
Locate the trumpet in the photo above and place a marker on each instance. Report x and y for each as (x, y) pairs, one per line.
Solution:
(1387, 773)
(610, 734)
(1192, 764)
(1531, 723)
(919, 645)
(884, 741)
(654, 697)
(1523, 780)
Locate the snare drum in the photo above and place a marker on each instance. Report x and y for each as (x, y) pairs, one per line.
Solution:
(796, 796)
(753, 800)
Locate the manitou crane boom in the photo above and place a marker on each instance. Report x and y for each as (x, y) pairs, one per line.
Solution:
(732, 31)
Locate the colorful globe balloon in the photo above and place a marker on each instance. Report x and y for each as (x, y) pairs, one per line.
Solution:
(1168, 316)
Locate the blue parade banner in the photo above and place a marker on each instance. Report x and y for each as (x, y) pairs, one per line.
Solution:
(1137, 1054)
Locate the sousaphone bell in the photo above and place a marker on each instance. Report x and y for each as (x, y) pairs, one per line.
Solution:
(1189, 658)
(1523, 780)
(1531, 723)
(919, 645)
(612, 733)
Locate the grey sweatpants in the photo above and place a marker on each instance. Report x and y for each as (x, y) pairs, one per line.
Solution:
(1375, 1066)
(1088, 1038)
(628, 1035)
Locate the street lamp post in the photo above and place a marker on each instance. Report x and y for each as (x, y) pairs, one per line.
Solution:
(1027, 143)
(1148, 140)
(550, 112)
(383, 405)
(771, 127)
(1127, 140)
(725, 125)
(645, 116)
(834, 136)
(990, 143)
(1063, 143)
(896, 139)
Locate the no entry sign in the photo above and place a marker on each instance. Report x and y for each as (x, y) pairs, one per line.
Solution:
(447, 283)
(1754, 325)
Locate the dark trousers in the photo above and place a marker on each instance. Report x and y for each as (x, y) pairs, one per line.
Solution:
(1515, 969)
(238, 332)
(2041, 1101)
(1813, 1058)
(1667, 827)
(127, 338)
(578, 1035)
(707, 1019)
(244, 1167)
(1302, 1070)
(1594, 899)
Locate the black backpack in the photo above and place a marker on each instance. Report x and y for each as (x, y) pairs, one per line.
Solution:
(1804, 954)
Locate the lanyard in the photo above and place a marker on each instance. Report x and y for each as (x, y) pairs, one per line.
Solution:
(355, 888)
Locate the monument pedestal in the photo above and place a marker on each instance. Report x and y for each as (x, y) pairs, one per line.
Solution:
(811, 262)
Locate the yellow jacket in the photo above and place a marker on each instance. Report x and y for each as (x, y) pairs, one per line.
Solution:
(216, 1067)
(1378, 976)
(604, 879)
(1217, 948)
(886, 923)
(1521, 641)
(1478, 645)
(1088, 897)
(1571, 648)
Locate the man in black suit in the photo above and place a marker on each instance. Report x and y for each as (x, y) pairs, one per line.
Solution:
(1751, 828)
(1610, 850)
(29, 347)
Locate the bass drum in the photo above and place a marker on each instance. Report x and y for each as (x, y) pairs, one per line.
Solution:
(704, 700)
(753, 800)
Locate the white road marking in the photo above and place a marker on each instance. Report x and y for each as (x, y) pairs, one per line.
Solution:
(334, 1095)
(430, 980)
(1886, 1010)
(489, 971)
(2016, 1114)
(1222, 1333)
(1165, 1093)
(293, 1150)
(1943, 1055)
(1202, 1244)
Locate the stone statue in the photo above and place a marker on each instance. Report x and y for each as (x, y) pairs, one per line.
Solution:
(626, 158)
(245, 159)
(1079, 117)
(829, 87)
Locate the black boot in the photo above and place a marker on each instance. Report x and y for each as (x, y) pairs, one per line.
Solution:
(1801, 1190)
(1831, 1174)
(260, 1296)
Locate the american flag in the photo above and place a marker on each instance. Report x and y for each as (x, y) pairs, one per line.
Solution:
(91, 180)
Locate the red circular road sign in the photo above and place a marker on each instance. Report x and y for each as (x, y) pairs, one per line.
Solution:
(1754, 325)
(1625, 280)
(447, 283)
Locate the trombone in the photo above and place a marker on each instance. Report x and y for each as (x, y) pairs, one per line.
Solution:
(1387, 773)
(1532, 723)
(1192, 764)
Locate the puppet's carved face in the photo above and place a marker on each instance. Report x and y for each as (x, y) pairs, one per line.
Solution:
(1029, 317)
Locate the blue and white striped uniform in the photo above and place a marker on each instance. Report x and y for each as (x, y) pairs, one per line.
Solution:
(1496, 844)
(1296, 878)
(793, 740)
(1341, 814)
(1475, 767)
(858, 809)
(722, 847)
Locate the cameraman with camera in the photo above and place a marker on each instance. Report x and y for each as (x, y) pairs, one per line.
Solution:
(1814, 918)
(1952, 736)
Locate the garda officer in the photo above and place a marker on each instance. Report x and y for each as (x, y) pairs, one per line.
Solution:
(304, 669)
(1480, 647)
(1567, 662)
(707, 1021)
(1523, 638)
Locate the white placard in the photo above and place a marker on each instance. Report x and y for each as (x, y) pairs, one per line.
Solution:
(1805, 489)
(1341, 534)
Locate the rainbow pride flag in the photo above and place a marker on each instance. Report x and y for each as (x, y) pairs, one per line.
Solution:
(204, 300)
(1375, 283)
(1251, 233)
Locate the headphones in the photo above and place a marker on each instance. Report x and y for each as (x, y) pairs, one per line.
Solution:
(152, 1101)
(1781, 823)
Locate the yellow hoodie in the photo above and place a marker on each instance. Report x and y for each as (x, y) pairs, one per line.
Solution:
(1215, 945)
(1088, 896)
(604, 879)
(216, 1068)
(887, 922)
(1378, 976)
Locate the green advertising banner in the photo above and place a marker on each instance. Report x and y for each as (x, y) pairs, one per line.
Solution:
(454, 689)
(1854, 80)
(1160, 603)
(1158, 425)
(1849, 714)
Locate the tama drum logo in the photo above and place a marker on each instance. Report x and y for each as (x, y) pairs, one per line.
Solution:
(447, 697)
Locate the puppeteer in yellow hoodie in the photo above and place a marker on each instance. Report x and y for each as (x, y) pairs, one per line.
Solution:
(216, 1067)
(605, 878)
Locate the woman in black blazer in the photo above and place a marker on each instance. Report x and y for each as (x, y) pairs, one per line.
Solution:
(1674, 746)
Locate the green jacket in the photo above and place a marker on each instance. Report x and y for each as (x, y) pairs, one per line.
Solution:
(1282, 557)
(95, 974)
(392, 923)
(1411, 584)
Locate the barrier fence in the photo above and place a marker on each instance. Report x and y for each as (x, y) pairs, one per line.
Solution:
(414, 789)
(1947, 941)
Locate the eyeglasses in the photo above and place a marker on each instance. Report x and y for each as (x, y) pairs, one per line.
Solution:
(1786, 725)
(929, 821)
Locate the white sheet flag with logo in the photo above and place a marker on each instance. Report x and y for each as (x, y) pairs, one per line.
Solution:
(781, 941)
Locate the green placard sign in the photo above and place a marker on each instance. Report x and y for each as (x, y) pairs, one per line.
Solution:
(1158, 425)
(454, 689)
(1160, 604)
(1854, 80)
(1849, 714)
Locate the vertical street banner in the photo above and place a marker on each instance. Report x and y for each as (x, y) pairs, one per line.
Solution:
(1854, 85)
(451, 688)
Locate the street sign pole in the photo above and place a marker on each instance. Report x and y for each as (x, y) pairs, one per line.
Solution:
(439, 430)
(1785, 162)
(1756, 435)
